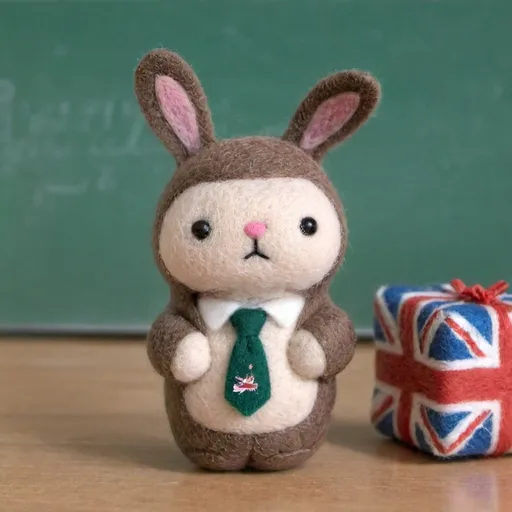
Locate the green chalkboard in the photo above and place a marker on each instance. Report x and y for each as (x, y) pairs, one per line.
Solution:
(426, 182)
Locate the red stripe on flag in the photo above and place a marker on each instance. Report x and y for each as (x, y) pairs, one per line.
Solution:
(426, 329)
(405, 322)
(385, 405)
(411, 376)
(387, 333)
(504, 443)
(462, 333)
(403, 417)
(467, 433)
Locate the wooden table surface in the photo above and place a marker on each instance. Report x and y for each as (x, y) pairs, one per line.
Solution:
(82, 428)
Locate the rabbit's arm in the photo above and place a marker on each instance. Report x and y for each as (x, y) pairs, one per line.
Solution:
(176, 349)
(325, 344)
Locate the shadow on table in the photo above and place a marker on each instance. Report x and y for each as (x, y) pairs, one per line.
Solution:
(140, 450)
(130, 441)
(363, 438)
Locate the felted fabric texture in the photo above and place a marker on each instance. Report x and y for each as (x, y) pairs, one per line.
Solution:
(249, 158)
(247, 378)
(328, 119)
(178, 111)
(292, 396)
(306, 356)
(192, 358)
(283, 432)
(217, 311)
(166, 332)
(333, 110)
(443, 380)
(276, 451)
(327, 324)
(178, 131)
(289, 260)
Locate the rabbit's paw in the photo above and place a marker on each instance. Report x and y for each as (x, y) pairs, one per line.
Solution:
(192, 358)
(306, 356)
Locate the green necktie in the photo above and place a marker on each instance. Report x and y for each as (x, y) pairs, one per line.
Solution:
(247, 379)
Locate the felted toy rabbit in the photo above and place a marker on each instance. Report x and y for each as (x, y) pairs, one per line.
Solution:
(248, 234)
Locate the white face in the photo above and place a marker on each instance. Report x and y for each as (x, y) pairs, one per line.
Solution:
(250, 238)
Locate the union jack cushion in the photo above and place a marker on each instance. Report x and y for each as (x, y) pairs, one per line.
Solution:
(444, 368)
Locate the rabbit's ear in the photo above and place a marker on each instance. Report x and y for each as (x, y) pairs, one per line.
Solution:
(334, 109)
(173, 103)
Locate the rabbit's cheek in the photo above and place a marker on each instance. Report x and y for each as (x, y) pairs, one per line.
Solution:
(248, 236)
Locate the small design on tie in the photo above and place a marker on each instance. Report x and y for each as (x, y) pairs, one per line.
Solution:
(245, 384)
(248, 394)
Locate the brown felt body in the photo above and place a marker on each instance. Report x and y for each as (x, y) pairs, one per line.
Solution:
(274, 451)
(235, 159)
(269, 452)
(162, 62)
(348, 81)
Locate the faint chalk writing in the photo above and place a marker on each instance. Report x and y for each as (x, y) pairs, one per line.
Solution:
(57, 189)
(106, 180)
(70, 129)
(60, 50)
(7, 94)
(66, 190)
(7, 90)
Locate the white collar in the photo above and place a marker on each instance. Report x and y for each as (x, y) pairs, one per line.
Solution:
(216, 312)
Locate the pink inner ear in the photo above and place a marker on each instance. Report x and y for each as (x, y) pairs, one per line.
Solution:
(330, 117)
(178, 111)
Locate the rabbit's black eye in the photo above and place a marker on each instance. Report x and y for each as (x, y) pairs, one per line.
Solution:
(308, 226)
(201, 229)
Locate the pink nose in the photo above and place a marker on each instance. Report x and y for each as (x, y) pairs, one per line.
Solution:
(255, 229)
